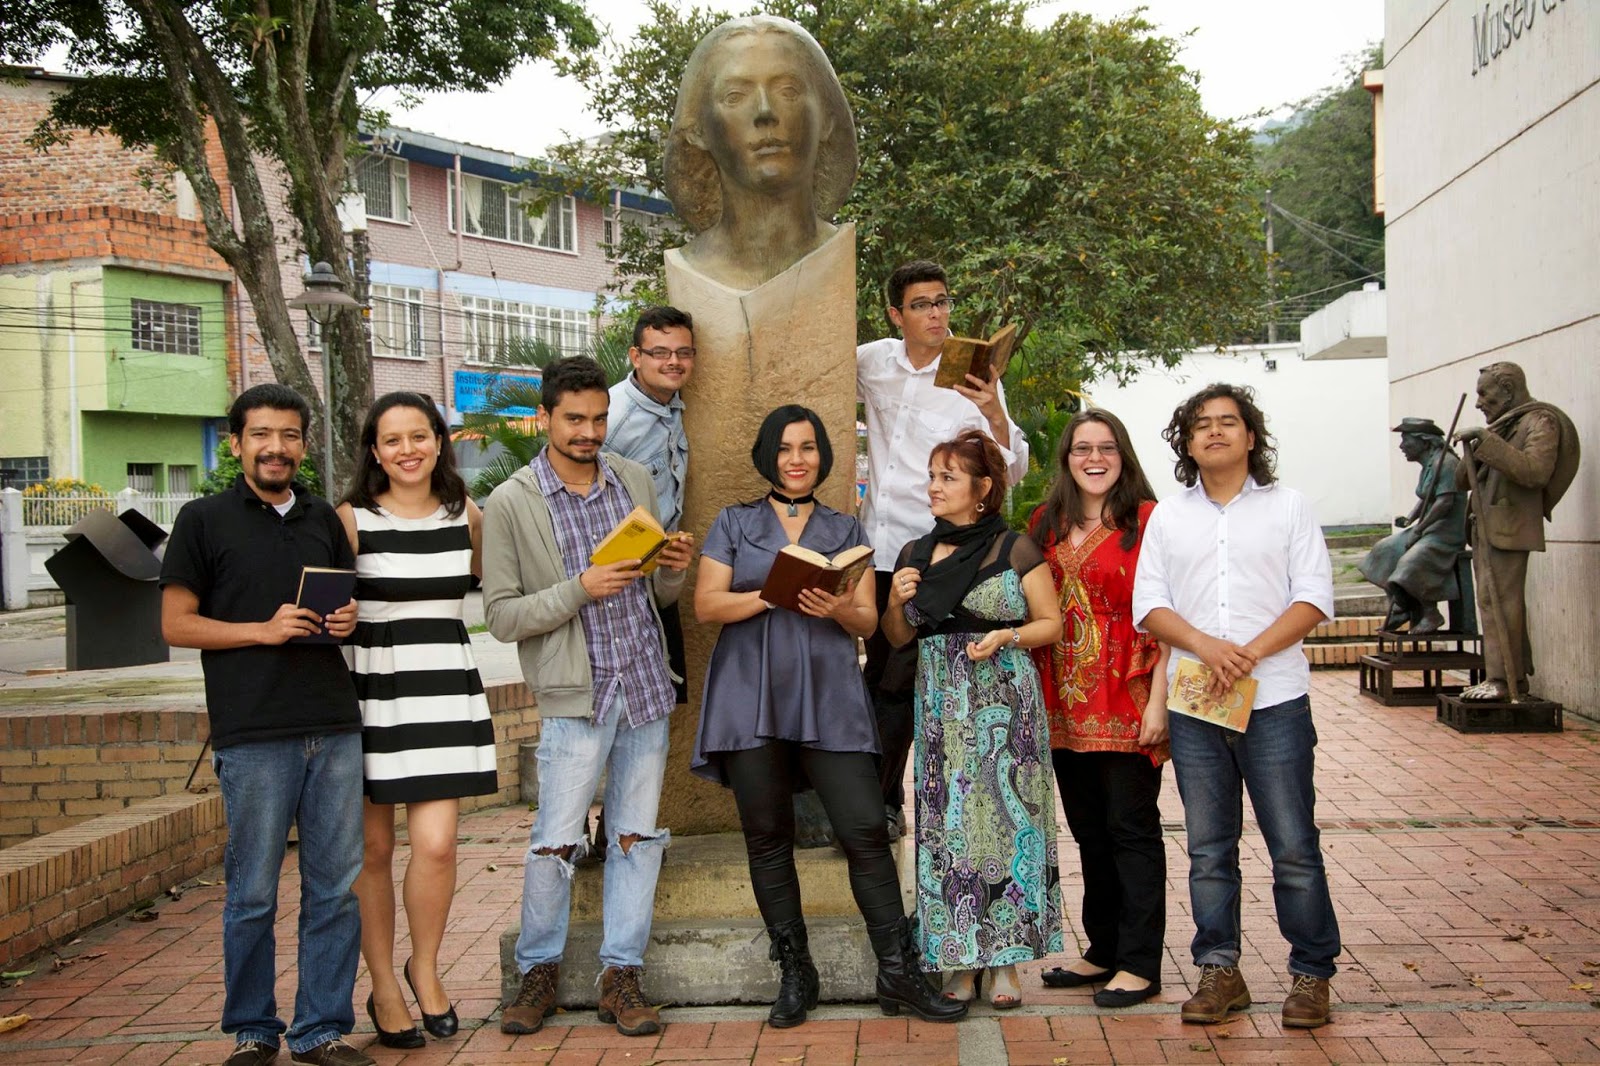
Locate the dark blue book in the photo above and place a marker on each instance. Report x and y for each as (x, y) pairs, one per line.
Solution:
(323, 589)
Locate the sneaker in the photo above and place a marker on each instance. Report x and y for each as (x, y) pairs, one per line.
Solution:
(536, 1001)
(333, 1052)
(622, 1001)
(1221, 990)
(252, 1053)
(1307, 1004)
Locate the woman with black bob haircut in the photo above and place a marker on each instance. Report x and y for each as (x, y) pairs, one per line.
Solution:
(1179, 431)
(785, 709)
(426, 736)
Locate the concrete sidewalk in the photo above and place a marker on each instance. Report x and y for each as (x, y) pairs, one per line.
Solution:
(1465, 872)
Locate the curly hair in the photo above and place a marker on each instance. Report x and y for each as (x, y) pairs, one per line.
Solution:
(1179, 431)
(976, 454)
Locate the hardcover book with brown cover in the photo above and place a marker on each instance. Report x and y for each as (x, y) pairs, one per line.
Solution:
(796, 569)
(969, 355)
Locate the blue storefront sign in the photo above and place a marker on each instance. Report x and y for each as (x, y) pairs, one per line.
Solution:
(474, 387)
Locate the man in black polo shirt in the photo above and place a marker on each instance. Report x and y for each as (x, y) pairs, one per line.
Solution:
(285, 727)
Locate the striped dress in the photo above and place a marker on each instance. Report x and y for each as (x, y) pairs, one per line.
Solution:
(426, 730)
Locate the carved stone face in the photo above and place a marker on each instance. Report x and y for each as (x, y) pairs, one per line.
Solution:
(762, 121)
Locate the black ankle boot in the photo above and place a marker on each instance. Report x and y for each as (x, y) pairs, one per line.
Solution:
(798, 988)
(901, 983)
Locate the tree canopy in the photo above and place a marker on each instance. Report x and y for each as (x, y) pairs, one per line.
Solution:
(279, 80)
(1066, 175)
(1319, 167)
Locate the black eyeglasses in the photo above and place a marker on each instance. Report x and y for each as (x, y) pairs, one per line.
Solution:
(922, 307)
(661, 355)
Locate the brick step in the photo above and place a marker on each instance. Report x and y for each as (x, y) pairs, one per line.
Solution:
(1338, 656)
(1341, 630)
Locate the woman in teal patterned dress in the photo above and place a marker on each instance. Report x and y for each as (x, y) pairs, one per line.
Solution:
(976, 596)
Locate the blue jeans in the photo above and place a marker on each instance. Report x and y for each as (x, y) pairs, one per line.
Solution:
(572, 752)
(1274, 759)
(267, 786)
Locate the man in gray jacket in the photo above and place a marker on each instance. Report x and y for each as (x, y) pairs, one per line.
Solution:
(590, 642)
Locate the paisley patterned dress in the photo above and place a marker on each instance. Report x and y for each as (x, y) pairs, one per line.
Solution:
(988, 889)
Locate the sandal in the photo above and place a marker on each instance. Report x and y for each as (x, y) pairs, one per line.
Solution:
(961, 986)
(1004, 992)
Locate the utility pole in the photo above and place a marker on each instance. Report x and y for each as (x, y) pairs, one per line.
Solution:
(1272, 287)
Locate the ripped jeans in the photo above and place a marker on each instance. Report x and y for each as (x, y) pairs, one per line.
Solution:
(572, 752)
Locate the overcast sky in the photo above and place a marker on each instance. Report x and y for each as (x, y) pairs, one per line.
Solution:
(1251, 55)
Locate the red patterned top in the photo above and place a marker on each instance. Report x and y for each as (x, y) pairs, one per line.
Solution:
(1097, 677)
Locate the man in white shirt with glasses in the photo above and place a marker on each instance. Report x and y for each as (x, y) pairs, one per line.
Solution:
(906, 416)
(1234, 573)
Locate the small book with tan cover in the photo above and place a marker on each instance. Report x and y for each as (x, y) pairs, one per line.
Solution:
(961, 356)
(1190, 695)
(796, 569)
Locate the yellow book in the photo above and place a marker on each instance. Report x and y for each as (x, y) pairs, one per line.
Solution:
(1188, 695)
(638, 536)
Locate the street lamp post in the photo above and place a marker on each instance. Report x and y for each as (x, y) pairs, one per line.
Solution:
(324, 296)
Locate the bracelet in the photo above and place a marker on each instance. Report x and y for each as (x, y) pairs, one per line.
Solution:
(1016, 636)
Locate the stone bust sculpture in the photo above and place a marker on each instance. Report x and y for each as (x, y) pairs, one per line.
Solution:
(762, 150)
(1416, 566)
(1523, 461)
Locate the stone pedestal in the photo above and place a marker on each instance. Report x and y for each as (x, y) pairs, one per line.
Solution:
(792, 340)
(708, 944)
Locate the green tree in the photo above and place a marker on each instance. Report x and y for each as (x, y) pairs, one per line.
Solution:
(1066, 175)
(1319, 165)
(278, 81)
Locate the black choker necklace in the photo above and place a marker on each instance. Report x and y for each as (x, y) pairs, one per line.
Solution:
(793, 502)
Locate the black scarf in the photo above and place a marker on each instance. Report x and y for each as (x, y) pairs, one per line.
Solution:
(942, 590)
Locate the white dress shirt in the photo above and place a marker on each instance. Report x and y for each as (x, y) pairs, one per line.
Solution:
(906, 416)
(1231, 571)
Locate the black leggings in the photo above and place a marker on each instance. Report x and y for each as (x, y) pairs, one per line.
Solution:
(847, 784)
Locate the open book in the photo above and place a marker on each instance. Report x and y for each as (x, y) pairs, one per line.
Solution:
(796, 569)
(323, 589)
(637, 536)
(961, 356)
(1188, 696)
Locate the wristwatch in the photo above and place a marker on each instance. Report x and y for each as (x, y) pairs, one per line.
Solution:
(1016, 636)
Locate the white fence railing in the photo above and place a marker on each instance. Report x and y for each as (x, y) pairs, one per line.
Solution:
(160, 507)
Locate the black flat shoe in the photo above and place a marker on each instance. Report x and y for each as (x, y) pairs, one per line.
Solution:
(408, 1039)
(1060, 977)
(1125, 997)
(440, 1025)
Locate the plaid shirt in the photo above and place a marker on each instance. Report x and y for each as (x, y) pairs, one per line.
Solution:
(620, 627)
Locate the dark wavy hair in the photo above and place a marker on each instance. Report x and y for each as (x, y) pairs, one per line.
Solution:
(575, 373)
(273, 395)
(908, 274)
(975, 452)
(769, 438)
(1063, 504)
(661, 319)
(1263, 457)
(369, 481)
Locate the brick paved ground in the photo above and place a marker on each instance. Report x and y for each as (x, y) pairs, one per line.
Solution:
(1465, 871)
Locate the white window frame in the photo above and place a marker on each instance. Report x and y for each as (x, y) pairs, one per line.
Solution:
(397, 322)
(612, 233)
(399, 173)
(554, 231)
(487, 324)
(165, 328)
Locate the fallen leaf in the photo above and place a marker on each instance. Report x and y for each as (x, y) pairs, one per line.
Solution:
(493, 868)
(1060, 1060)
(204, 882)
(794, 1058)
(1446, 984)
(1582, 986)
(175, 892)
(1413, 967)
(13, 1021)
(1514, 937)
(1200, 1047)
(17, 975)
(142, 916)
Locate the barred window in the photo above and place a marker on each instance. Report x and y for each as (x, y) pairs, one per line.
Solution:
(173, 329)
(18, 472)
(386, 183)
(502, 211)
(493, 328)
(616, 219)
(397, 321)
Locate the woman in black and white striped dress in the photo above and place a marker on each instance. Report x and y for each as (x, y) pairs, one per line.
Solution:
(427, 738)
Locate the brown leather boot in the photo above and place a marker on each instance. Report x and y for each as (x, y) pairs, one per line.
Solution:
(1221, 990)
(536, 1001)
(1307, 1004)
(622, 1001)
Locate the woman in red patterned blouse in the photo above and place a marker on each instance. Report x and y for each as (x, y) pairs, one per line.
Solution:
(1105, 686)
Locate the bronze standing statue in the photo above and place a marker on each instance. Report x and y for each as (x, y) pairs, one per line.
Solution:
(1416, 566)
(1518, 467)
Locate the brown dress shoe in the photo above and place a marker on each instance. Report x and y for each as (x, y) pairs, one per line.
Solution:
(1307, 1004)
(536, 1001)
(621, 1001)
(333, 1052)
(1221, 990)
(252, 1053)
